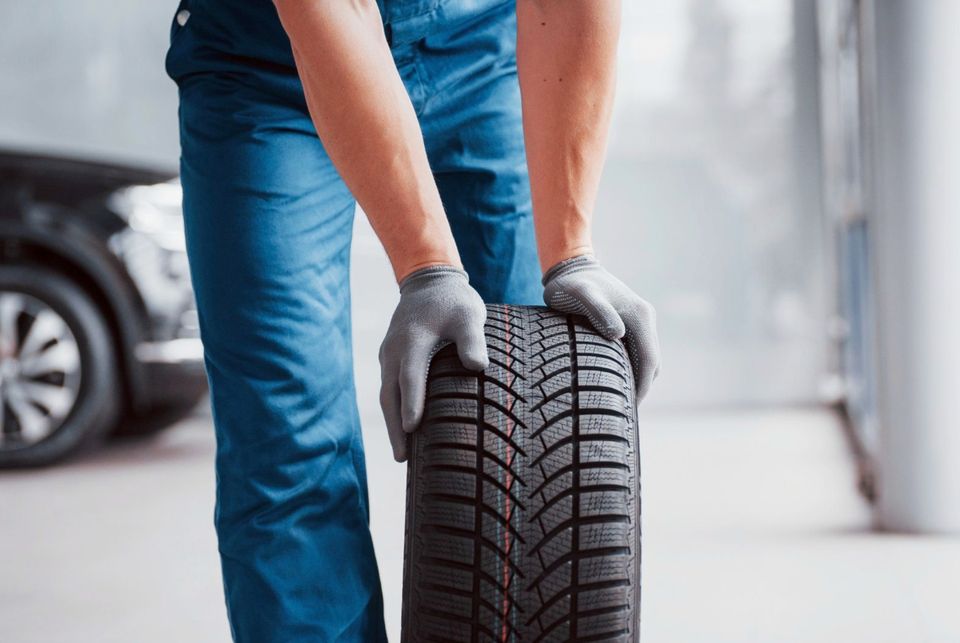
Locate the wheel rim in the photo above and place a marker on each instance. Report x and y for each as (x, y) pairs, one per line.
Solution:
(39, 370)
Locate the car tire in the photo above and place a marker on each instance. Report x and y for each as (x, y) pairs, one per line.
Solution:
(523, 490)
(98, 400)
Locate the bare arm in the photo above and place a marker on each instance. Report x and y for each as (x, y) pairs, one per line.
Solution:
(566, 61)
(366, 121)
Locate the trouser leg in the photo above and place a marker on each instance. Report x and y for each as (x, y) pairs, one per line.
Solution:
(474, 134)
(268, 224)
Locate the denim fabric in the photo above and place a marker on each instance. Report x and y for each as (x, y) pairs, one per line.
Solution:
(268, 224)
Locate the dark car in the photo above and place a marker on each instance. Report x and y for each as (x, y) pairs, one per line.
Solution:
(97, 319)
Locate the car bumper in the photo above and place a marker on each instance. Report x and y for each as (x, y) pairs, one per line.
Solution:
(174, 371)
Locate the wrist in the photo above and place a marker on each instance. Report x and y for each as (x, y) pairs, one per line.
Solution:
(553, 256)
(401, 273)
(566, 266)
(425, 275)
(424, 241)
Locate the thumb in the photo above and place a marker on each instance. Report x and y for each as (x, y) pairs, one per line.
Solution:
(398, 442)
(604, 317)
(413, 385)
(472, 348)
(390, 403)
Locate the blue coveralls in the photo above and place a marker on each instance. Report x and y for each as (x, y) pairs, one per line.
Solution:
(268, 224)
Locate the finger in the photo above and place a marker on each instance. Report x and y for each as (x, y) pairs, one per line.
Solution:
(390, 405)
(643, 345)
(644, 360)
(398, 442)
(472, 347)
(413, 385)
(604, 317)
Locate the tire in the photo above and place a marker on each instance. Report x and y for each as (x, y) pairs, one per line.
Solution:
(97, 399)
(523, 490)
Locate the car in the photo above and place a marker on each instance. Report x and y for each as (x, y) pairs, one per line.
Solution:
(98, 324)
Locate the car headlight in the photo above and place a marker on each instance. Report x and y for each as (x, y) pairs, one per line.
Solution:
(153, 210)
(153, 249)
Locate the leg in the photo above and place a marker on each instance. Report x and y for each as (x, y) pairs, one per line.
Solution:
(474, 135)
(268, 225)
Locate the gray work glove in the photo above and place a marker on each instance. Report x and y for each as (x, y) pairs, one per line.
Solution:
(437, 306)
(581, 286)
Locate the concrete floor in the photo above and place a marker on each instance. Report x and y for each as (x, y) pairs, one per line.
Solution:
(752, 533)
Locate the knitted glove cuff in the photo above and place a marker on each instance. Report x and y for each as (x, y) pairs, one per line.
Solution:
(423, 276)
(567, 266)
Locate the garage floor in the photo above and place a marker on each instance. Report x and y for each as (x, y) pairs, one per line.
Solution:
(752, 532)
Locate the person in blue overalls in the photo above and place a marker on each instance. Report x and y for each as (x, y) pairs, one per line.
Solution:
(293, 111)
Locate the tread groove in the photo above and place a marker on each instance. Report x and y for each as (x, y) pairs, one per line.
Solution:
(459, 419)
(586, 465)
(469, 396)
(505, 340)
(576, 556)
(497, 362)
(570, 522)
(566, 591)
(478, 515)
(458, 446)
(581, 412)
(583, 489)
(566, 369)
(575, 484)
(483, 507)
(504, 353)
(598, 388)
(452, 468)
(575, 440)
(600, 611)
(457, 591)
(467, 534)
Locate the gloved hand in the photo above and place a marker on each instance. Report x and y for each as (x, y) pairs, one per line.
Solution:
(437, 306)
(581, 286)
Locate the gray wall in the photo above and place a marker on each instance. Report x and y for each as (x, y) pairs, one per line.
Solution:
(87, 76)
(709, 203)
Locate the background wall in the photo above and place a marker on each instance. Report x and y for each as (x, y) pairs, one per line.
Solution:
(86, 76)
(709, 205)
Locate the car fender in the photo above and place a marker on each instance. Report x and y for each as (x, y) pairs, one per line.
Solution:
(49, 236)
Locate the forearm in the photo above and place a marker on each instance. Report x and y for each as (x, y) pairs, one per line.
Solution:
(566, 60)
(366, 121)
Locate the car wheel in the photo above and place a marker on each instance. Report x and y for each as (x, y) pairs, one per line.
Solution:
(59, 387)
(523, 496)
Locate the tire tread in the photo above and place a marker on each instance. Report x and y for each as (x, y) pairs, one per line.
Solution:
(523, 499)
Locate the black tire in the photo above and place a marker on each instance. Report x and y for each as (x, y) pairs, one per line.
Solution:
(523, 490)
(97, 406)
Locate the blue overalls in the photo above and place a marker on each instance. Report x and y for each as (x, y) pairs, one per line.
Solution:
(268, 224)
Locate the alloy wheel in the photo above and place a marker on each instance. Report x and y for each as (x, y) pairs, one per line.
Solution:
(40, 370)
